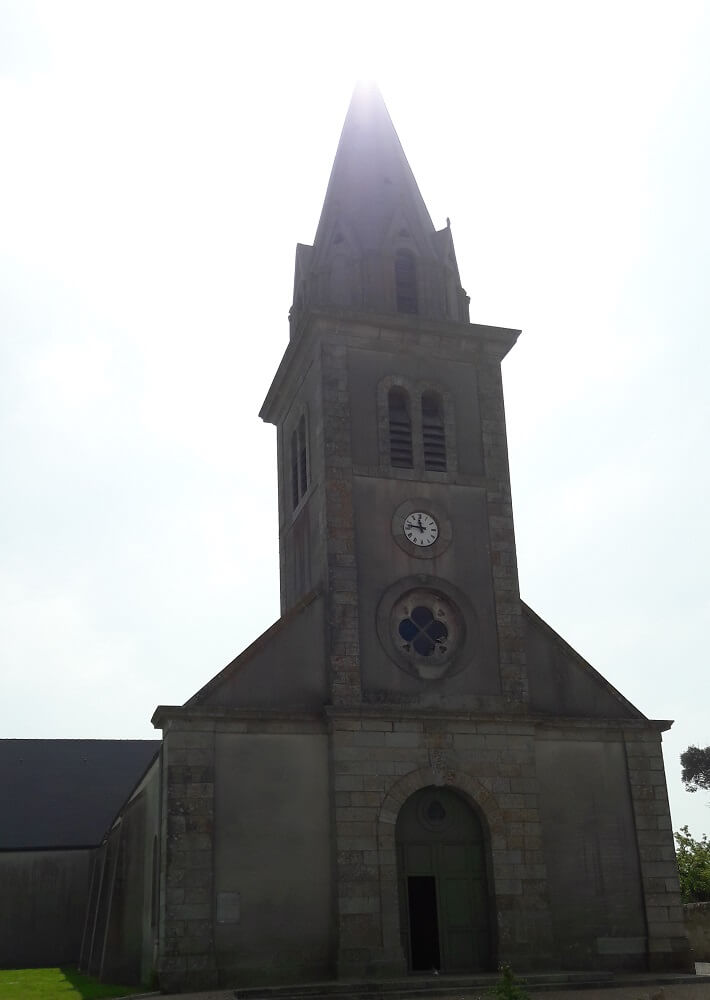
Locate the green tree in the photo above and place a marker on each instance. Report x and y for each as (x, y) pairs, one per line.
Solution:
(696, 768)
(693, 858)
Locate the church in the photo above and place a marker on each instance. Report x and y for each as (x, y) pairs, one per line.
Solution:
(410, 771)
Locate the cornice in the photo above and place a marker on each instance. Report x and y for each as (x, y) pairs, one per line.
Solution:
(379, 331)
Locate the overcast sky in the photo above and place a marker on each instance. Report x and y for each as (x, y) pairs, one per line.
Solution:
(159, 161)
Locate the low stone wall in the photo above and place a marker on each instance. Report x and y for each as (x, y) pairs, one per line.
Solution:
(697, 923)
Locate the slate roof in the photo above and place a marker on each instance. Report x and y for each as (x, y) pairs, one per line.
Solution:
(371, 181)
(65, 793)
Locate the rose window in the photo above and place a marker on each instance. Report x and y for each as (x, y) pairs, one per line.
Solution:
(424, 633)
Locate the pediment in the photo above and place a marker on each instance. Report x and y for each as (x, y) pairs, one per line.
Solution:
(283, 669)
(563, 683)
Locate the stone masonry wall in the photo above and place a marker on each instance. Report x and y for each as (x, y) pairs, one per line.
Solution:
(667, 941)
(697, 922)
(342, 595)
(377, 764)
(186, 938)
(484, 356)
(511, 643)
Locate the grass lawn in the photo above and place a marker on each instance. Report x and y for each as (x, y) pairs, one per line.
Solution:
(56, 984)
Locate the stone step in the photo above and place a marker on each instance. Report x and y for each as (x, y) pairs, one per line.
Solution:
(420, 987)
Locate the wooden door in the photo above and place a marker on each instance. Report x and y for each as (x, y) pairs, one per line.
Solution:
(444, 900)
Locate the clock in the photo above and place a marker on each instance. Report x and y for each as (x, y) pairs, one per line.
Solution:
(421, 528)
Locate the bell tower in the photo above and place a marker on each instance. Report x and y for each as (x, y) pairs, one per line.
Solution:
(393, 473)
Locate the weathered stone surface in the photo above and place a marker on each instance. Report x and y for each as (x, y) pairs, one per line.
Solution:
(186, 927)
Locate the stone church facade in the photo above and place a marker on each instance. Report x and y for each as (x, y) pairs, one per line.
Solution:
(410, 770)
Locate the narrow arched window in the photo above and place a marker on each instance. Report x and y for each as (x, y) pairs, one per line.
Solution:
(405, 281)
(400, 422)
(295, 494)
(433, 432)
(154, 885)
(299, 462)
(302, 456)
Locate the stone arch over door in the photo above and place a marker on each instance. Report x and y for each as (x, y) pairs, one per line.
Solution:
(487, 814)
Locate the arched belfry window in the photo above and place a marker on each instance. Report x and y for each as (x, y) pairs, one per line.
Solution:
(299, 462)
(416, 428)
(400, 427)
(405, 280)
(433, 432)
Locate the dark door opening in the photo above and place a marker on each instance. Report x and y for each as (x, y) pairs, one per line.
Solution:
(423, 923)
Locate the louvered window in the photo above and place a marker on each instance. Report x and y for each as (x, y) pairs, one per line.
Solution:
(433, 433)
(400, 429)
(405, 279)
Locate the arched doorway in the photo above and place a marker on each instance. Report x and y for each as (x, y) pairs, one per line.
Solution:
(443, 884)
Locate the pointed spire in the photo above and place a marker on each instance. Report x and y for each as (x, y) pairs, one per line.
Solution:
(375, 229)
(371, 180)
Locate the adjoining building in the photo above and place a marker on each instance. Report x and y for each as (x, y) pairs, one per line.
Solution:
(57, 800)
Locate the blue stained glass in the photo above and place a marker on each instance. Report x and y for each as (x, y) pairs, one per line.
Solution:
(423, 631)
(421, 617)
(423, 645)
(407, 629)
(437, 631)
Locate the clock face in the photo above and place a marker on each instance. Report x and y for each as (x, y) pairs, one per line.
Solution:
(420, 528)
